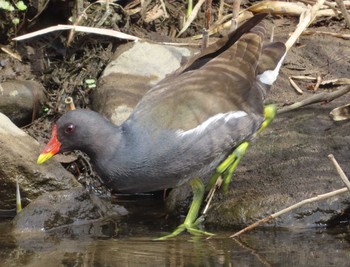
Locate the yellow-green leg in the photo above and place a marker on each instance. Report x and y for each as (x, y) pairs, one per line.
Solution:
(228, 166)
(225, 170)
(190, 224)
(269, 114)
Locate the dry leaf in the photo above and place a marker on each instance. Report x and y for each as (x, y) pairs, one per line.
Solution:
(341, 113)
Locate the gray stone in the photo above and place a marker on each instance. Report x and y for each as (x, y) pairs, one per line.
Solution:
(136, 67)
(21, 100)
(18, 157)
(73, 207)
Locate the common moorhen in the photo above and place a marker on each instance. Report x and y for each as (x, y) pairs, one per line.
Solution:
(194, 123)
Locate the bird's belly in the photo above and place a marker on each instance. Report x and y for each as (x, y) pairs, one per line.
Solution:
(171, 175)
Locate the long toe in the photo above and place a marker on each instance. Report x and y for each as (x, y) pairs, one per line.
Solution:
(192, 229)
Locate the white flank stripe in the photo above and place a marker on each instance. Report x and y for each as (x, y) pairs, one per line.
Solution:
(203, 126)
(270, 76)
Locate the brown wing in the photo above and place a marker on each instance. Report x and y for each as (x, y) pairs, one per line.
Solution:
(225, 82)
(221, 45)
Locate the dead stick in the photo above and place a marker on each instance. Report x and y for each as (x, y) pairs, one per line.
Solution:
(318, 82)
(192, 16)
(334, 34)
(206, 24)
(69, 103)
(306, 201)
(344, 12)
(295, 86)
(315, 99)
(307, 18)
(293, 207)
(18, 197)
(340, 171)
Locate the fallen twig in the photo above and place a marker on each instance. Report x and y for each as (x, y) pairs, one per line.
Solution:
(10, 53)
(224, 26)
(293, 207)
(321, 97)
(302, 77)
(211, 194)
(334, 34)
(18, 197)
(318, 82)
(338, 81)
(205, 40)
(305, 201)
(295, 86)
(191, 17)
(288, 8)
(60, 27)
(340, 171)
(69, 103)
(307, 17)
(344, 12)
(235, 11)
(334, 5)
(166, 15)
(221, 10)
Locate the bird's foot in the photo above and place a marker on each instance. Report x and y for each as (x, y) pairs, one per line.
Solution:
(192, 228)
(191, 222)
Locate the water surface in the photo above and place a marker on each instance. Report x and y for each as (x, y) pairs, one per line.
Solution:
(262, 247)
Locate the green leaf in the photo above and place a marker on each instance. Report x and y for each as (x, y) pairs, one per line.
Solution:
(15, 21)
(6, 5)
(21, 5)
(90, 81)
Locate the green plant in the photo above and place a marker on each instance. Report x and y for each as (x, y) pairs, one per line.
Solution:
(7, 6)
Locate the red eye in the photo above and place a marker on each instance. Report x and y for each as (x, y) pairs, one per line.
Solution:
(70, 128)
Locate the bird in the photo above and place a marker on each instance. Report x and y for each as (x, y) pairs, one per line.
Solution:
(194, 124)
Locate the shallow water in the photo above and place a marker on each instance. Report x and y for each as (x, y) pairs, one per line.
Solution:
(269, 247)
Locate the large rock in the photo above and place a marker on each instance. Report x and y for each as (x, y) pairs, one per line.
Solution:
(18, 157)
(21, 100)
(136, 67)
(66, 208)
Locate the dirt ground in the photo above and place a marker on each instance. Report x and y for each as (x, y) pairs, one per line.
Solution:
(64, 68)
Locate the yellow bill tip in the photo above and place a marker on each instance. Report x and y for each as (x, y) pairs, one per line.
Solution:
(44, 157)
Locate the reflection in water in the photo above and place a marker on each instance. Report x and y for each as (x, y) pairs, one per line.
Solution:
(258, 248)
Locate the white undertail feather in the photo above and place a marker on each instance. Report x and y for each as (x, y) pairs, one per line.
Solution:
(204, 125)
(270, 76)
